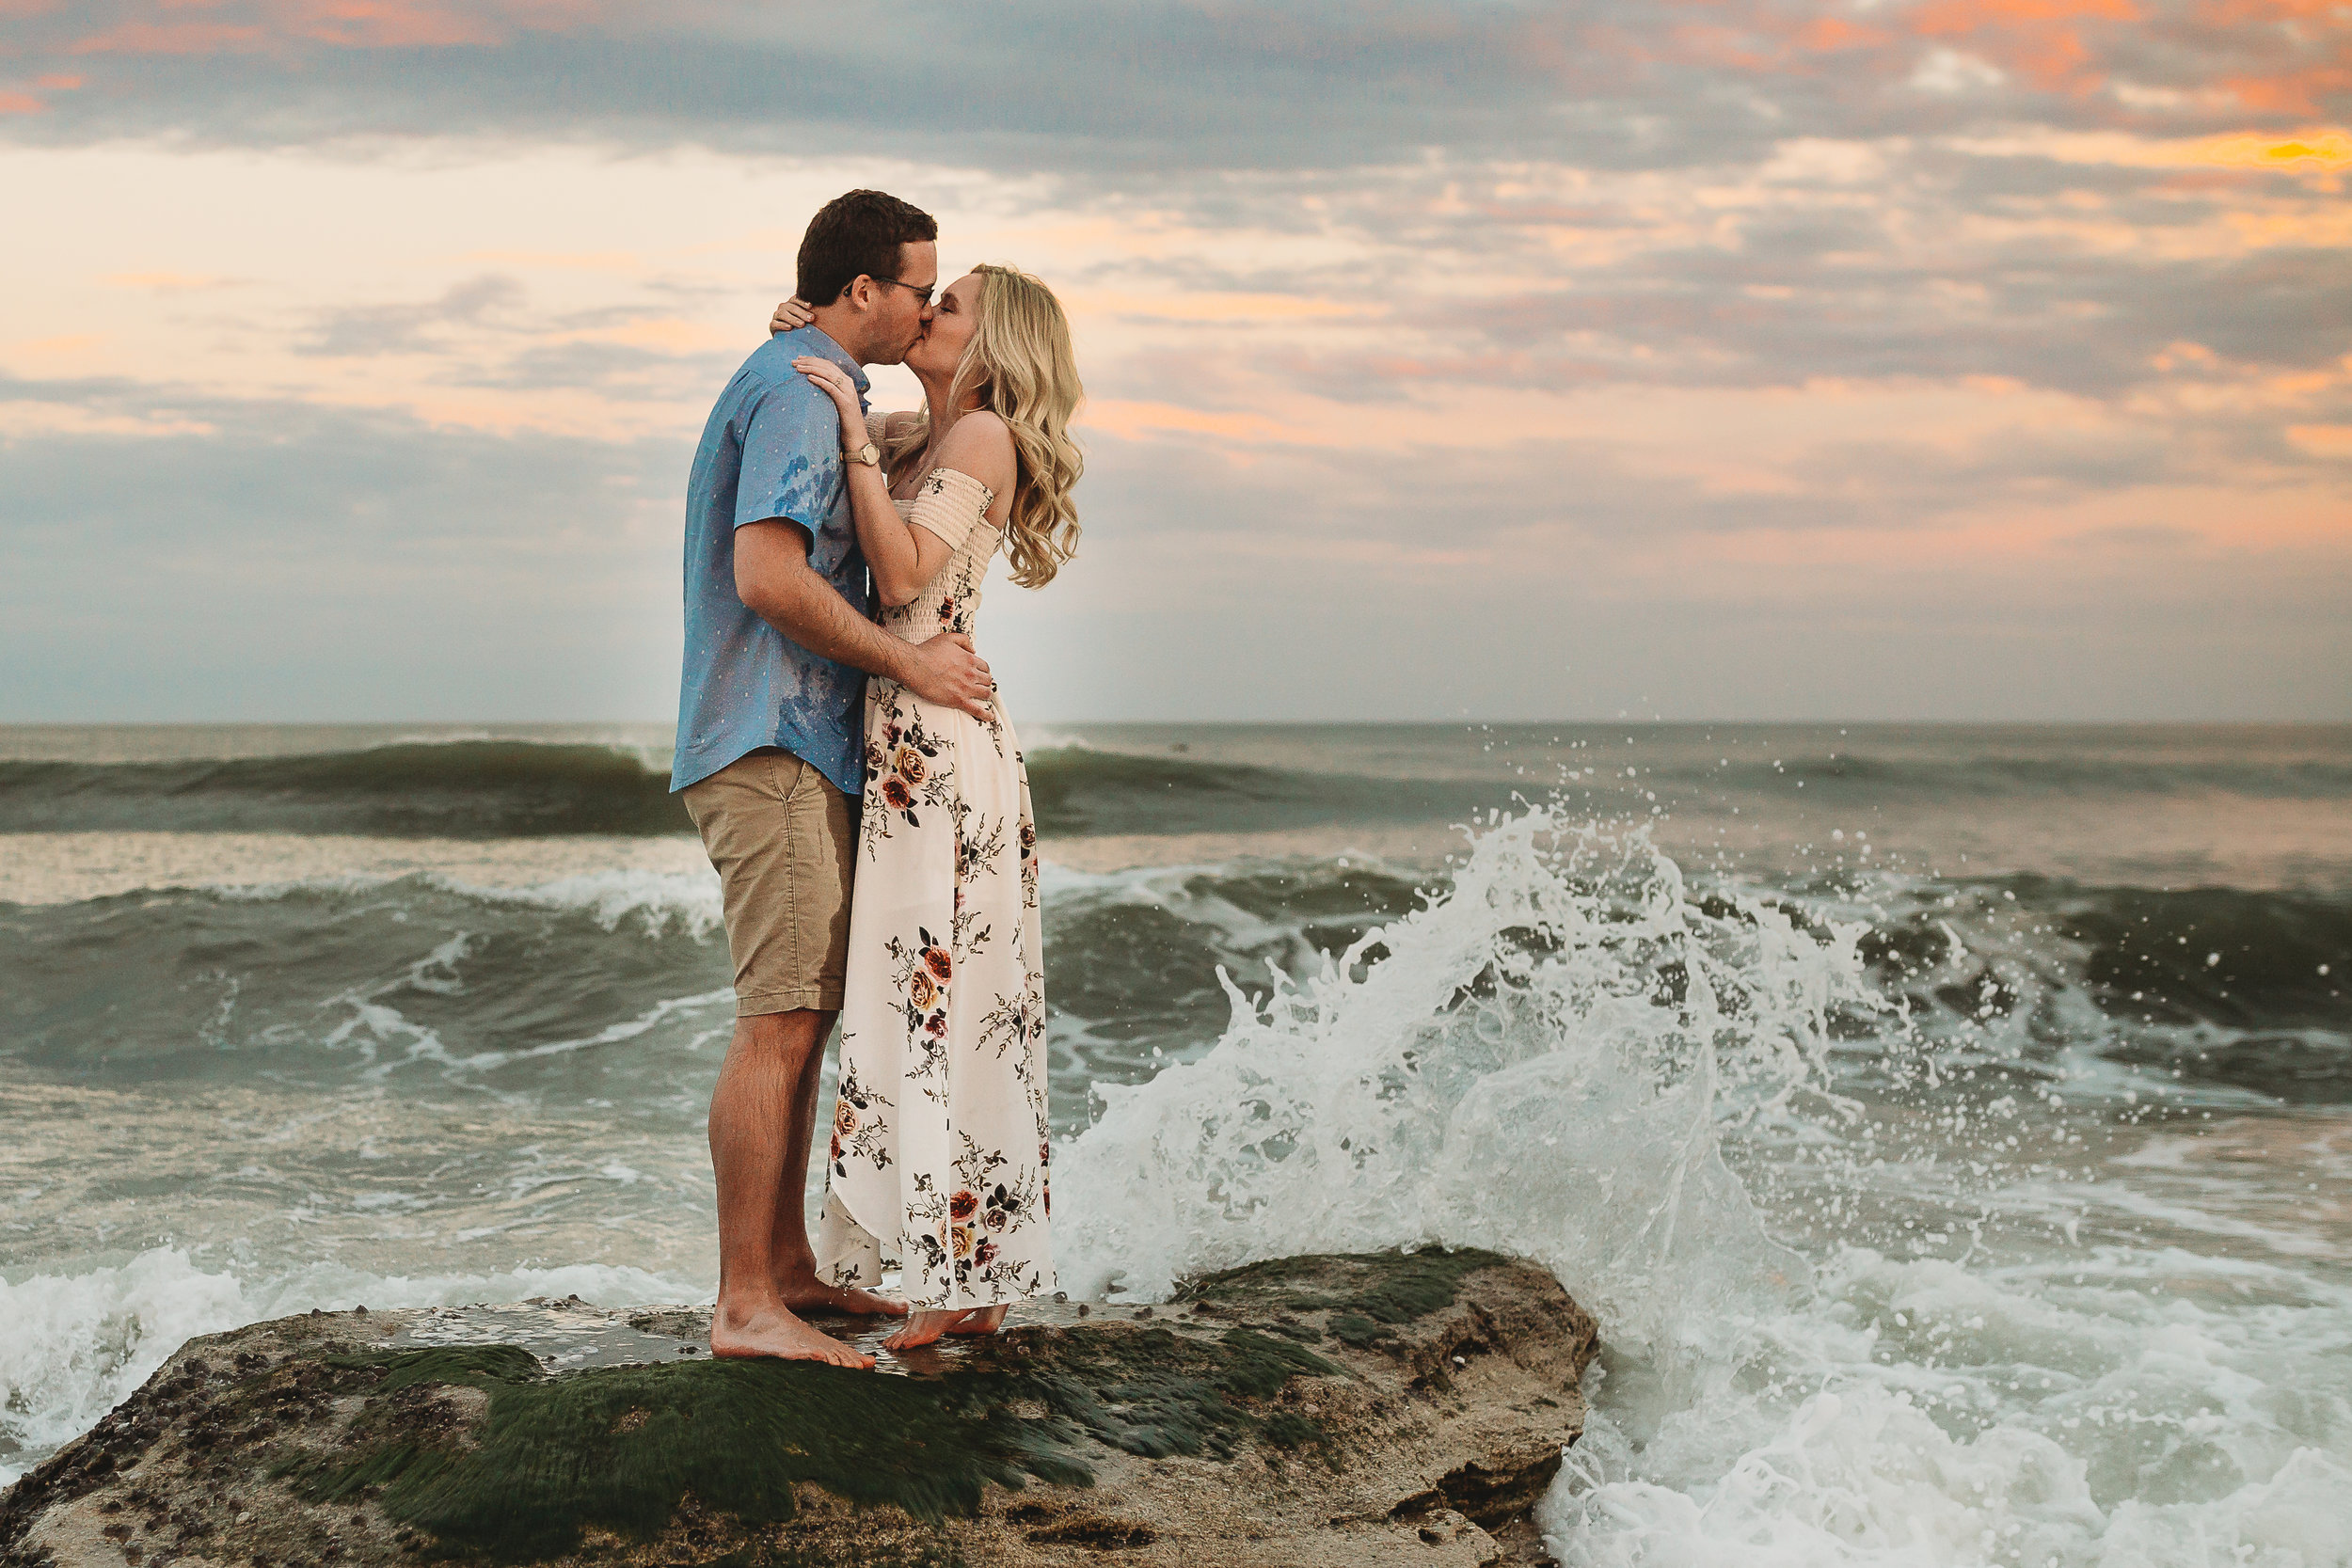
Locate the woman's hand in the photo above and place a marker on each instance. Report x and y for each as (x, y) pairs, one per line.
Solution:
(834, 383)
(791, 315)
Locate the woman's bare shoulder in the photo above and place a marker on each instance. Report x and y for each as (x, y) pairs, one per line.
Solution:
(980, 445)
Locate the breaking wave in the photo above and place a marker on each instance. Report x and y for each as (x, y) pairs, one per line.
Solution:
(1854, 1310)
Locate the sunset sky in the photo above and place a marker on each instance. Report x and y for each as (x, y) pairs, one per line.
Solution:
(1946, 359)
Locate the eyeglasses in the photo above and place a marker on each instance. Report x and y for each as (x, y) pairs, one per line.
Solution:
(926, 297)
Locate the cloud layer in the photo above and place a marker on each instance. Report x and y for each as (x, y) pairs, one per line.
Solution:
(1965, 357)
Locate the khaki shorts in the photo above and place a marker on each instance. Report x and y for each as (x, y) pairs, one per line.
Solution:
(784, 841)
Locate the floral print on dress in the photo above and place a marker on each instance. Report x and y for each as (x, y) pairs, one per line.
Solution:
(941, 1148)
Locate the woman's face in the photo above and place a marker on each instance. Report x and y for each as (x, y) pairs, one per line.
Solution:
(940, 349)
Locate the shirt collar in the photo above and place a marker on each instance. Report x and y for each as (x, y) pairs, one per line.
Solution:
(817, 340)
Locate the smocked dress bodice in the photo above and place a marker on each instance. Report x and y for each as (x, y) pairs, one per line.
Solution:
(954, 506)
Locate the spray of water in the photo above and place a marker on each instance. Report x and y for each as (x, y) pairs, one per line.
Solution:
(1554, 1056)
(1538, 1060)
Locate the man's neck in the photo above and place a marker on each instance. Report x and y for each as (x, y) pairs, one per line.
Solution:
(839, 324)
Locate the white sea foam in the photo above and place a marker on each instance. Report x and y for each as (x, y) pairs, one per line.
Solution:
(67, 867)
(1550, 1062)
(690, 900)
(76, 1344)
(1502, 1065)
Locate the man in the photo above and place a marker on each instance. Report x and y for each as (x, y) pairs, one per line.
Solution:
(770, 755)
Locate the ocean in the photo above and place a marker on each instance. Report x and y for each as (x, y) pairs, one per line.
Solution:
(1949, 1126)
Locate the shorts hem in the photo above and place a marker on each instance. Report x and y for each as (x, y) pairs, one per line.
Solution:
(804, 998)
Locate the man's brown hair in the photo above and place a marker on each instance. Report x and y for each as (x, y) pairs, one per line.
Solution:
(857, 234)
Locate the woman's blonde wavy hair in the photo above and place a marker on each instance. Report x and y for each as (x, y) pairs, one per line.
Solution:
(1021, 364)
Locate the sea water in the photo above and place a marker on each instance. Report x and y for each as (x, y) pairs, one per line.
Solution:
(1947, 1126)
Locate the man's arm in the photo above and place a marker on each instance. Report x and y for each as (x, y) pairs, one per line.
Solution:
(776, 583)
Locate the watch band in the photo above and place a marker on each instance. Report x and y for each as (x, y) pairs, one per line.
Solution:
(868, 453)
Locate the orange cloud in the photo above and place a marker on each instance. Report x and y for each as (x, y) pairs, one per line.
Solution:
(2314, 150)
(622, 262)
(72, 352)
(2231, 13)
(58, 84)
(2322, 440)
(1134, 419)
(19, 103)
(2295, 93)
(1826, 33)
(1209, 307)
(163, 281)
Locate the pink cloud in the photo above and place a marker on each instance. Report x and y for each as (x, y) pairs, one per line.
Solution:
(181, 37)
(2039, 39)
(21, 103)
(255, 24)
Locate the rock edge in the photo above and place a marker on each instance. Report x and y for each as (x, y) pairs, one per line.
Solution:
(1355, 1410)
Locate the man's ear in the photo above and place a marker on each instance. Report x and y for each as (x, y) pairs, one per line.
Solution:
(859, 295)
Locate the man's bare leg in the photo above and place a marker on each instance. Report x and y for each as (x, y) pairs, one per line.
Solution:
(753, 1120)
(791, 1257)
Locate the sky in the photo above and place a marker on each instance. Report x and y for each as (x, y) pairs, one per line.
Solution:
(1904, 359)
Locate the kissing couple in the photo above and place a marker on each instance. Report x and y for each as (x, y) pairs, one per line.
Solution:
(842, 752)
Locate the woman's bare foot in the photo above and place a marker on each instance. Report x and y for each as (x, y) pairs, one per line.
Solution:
(981, 1320)
(921, 1328)
(815, 1296)
(770, 1329)
(925, 1328)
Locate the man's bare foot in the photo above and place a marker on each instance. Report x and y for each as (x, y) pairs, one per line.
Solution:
(770, 1329)
(809, 1296)
(925, 1328)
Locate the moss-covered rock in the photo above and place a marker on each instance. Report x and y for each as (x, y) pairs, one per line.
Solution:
(1307, 1410)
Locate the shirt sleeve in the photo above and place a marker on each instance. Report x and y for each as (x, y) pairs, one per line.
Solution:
(791, 458)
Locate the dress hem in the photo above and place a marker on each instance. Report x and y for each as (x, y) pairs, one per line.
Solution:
(862, 1239)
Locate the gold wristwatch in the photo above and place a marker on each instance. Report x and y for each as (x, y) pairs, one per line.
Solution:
(869, 454)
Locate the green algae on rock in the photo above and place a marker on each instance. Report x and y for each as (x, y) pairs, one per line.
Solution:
(622, 1447)
(1237, 1425)
(1366, 1297)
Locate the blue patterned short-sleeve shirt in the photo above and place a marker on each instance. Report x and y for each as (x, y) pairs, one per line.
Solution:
(773, 449)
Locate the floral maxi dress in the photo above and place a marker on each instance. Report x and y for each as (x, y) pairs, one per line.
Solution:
(939, 1152)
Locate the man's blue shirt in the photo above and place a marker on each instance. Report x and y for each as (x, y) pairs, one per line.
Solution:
(773, 449)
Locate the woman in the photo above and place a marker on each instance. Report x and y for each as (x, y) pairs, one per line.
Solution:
(940, 1146)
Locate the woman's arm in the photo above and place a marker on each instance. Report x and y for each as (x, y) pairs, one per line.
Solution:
(972, 474)
(902, 557)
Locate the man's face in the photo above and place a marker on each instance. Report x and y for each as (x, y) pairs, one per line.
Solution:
(900, 309)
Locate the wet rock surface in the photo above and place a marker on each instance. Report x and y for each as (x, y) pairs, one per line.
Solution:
(1329, 1410)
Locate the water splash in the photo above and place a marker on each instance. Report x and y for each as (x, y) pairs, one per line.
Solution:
(1569, 1052)
(1538, 1060)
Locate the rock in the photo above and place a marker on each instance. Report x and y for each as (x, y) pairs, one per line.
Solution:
(1341, 1411)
